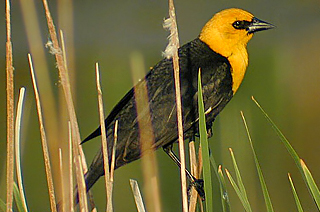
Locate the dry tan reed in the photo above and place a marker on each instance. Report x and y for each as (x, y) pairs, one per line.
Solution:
(63, 206)
(104, 143)
(84, 170)
(70, 174)
(43, 140)
(113, 156)
(83, 203)
(137, 195)
(64, 78)
(10, 109)
(149, 163)
(175, 42)
(194, 171)
(35, 44)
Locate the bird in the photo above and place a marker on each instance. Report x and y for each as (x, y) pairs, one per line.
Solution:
(220, 52)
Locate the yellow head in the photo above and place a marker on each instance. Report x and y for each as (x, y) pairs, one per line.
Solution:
(228, 33)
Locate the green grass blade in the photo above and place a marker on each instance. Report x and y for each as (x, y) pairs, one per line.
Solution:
(295, 195)
(284, 140)
(238, 175)
(222, 184)
(311, 184)
(2, 205)
(263, 184)
(213, 163)
(242, 198)
(239, 179)
(223, 191)
(205, 149)
(17, 198)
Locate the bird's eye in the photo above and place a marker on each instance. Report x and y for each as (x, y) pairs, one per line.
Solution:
(241, 24)
(236, 24)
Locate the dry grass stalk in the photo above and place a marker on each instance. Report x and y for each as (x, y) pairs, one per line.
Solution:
(113, 156)
(71, 209)
(104, 142)
(33, 33)
(35, 44)
(137, 195)
(113, 159)
(149, 164)
(68, 96)
(63, 113)
(63, 206)
(63, 120)
(10, 109)
(66, 23)
(85, 169)
(83, 205)
(194, 171)
(64, 54)
(43, 140)
(193, 159)
(81, 153)
(17, 147)
(200, 166)
(175, 42)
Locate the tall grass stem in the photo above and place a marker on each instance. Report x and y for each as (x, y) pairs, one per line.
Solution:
(10, 110)
(18, 147)
(43, 140)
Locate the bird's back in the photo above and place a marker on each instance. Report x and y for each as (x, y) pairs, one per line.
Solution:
(217, 92)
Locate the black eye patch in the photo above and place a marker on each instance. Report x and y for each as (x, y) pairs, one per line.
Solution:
(241, 24)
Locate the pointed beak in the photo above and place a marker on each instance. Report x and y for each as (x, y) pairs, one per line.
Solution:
(258, 25)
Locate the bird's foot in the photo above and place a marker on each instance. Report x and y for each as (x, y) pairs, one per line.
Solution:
(198, 185)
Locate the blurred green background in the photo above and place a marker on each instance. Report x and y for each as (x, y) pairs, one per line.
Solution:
(283, 75)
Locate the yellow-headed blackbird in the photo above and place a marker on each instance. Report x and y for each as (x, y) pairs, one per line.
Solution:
(219, 51)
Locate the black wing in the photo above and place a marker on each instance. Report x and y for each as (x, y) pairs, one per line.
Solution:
(217, 91)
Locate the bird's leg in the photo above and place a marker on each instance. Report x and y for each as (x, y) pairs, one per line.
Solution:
(197, 183)
(173, 156)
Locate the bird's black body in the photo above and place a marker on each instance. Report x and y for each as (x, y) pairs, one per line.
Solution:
(217, 92)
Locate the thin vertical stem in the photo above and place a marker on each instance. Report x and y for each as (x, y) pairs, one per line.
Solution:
(64, 78)
(193, 195)
(43, 140)
(84, 170)
(71, 209)
(10, 109)
(63, 206)
(113, 158)
(175, 58)
(149, 167)
(104, 142)
(83, 203)
(17, 147)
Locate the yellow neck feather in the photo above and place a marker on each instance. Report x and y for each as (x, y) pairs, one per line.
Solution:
(239, 62)
(236, 53)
